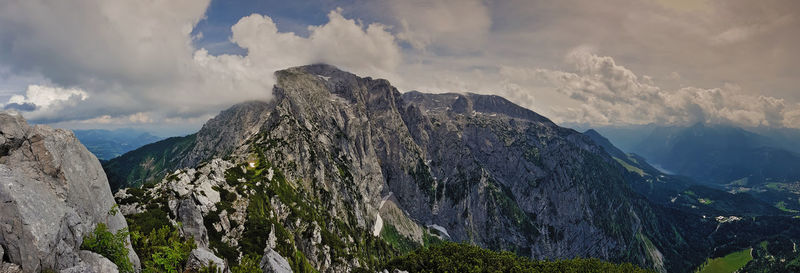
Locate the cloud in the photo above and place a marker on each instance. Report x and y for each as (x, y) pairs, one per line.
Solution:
(742, 33)
(25, 106)
(452, 25)
(46, 102)
(343, 42)
(46, 96)
(120, 61)
(610, 93)
(110, 41)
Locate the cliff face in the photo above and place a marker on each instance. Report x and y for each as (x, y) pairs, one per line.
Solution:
(350, 165)
(53, 192)
(479, 167)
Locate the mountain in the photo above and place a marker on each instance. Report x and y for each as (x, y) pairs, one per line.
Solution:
(107, 144)
(144, 164)
(680, 192)
(771, 251)
(53, 193)
(719, 154)
(341, 173)
(762, 162)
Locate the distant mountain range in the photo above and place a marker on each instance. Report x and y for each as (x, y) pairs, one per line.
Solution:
(720, 154)
(108, 144)
(761, 161)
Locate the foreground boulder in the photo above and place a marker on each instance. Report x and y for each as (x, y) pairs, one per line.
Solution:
(53, 192)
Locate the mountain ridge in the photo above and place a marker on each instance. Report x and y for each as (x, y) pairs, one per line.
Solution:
(410, 167)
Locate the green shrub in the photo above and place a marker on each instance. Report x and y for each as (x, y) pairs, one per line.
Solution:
(453, 257)
(248, 264)
(210, 268)
(170, 259)
(113, 246)
(162, 250)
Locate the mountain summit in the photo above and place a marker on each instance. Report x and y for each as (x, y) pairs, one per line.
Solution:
(339, 172)
(468, 167)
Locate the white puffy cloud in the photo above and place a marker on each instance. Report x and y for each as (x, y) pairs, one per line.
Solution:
(609, 93)
(45, 96)
(44, 102)
(343, 42)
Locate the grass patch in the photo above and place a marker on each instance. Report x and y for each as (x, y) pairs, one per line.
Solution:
(728, 264)
(782, 206)
(630, 167)
(705, 201)
(399, 242)
(739, 182)
(774, 186)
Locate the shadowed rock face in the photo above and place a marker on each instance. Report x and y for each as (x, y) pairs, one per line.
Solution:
(488, 171)
(53, 192)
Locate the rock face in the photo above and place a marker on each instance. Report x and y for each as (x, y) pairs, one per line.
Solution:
(272, 262)
(227, 131)
(202, 257)
(93, 262)
(354, 150)
(191, 219)
(52, 193)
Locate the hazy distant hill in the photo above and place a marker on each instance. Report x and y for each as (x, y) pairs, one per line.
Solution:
(108, 144)
(719, 154)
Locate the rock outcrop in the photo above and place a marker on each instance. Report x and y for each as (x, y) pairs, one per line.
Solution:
(191, 219)
(272, 262)
(53, 192)
(202, 257)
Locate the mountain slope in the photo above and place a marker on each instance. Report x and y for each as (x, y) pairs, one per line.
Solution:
(148, 163)
(682, 192)
(341, 172)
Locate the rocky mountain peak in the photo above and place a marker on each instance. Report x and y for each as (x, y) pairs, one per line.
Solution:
(227, 131)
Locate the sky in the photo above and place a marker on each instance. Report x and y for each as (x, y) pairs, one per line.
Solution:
(167, 66)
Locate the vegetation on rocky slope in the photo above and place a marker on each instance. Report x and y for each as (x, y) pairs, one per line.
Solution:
(110, 245)
(149, 163)
(454, 257)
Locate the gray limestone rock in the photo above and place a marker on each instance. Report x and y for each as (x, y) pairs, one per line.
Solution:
(272, 262)
(202, 257)
(10, 268)
(53, 192)
(97, 263)
(191, 219)
(227, 131)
